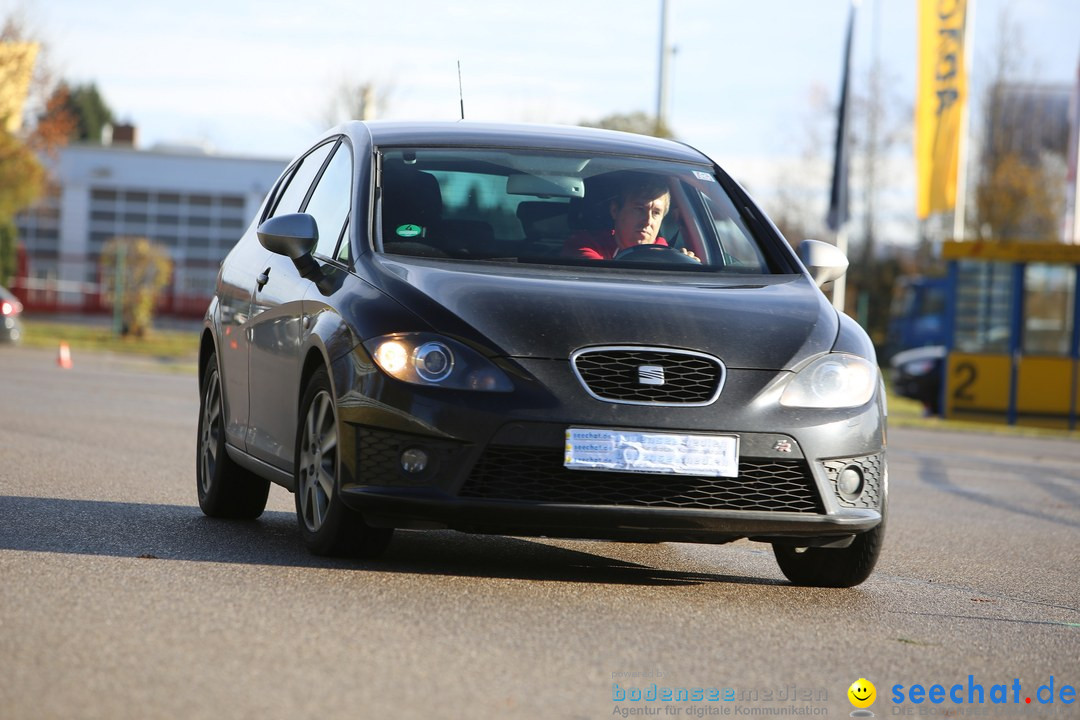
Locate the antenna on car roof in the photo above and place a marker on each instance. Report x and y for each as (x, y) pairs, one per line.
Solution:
(461, 94)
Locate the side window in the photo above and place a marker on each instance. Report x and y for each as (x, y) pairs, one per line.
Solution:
(344, 253)
(294, 193)
(329, 203)
(740, 252)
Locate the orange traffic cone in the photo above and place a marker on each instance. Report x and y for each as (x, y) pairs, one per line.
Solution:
(63, 357)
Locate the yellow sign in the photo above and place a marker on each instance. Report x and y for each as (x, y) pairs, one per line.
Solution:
(16, 68)
(942, 95)
(1044, 390)
(1011, 252)
(977, 384)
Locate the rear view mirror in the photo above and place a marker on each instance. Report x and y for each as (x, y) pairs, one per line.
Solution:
(566, 186)
(824, 262)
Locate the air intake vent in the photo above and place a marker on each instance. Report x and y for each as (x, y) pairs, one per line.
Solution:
(538, 475)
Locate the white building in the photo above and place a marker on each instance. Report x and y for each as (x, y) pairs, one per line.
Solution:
(193, 203)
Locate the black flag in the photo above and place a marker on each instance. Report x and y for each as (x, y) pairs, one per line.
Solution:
(838, 195)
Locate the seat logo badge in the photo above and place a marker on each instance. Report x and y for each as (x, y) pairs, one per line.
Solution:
(783, 446)
(650, 375)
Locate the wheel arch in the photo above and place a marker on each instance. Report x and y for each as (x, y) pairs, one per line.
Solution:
(314, 358)
(207, 348)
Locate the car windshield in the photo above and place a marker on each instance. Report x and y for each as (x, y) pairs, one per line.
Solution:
(563, 208)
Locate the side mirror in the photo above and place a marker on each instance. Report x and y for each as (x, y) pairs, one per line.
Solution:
(295, 236)
(823, 260)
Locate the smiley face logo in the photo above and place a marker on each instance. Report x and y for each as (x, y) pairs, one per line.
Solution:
(862, 693)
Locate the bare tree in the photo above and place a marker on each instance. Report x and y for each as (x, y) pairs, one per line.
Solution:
(883, 126)
(1020, 185)
(357, 101)
(795, 205)
(638, 122)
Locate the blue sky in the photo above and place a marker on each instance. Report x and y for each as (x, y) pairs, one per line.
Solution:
(254, 77)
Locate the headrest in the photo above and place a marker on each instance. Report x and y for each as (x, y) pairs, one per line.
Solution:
(409, 197)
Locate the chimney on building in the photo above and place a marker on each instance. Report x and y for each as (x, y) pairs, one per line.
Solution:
(120, 134)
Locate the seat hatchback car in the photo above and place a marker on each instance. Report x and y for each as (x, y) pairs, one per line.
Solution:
(538, 331)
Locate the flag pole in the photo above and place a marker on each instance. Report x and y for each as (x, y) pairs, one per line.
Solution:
(1074, 167)
(837, 216)
(960, 208)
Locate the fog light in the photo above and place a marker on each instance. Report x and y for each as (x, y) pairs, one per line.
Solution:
(414, 460)
(850, 483)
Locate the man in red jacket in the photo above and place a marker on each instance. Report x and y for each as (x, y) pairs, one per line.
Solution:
(636, 214)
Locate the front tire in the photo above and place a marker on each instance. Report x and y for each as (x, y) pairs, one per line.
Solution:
(225, 489)
(327, 526)
(835, 567)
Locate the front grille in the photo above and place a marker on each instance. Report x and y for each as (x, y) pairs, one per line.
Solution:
(871, 466)
(615, 374)
(538, 475)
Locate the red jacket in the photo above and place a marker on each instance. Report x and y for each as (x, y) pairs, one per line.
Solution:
(595, 245)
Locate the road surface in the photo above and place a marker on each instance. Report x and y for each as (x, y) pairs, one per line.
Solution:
(118, 599)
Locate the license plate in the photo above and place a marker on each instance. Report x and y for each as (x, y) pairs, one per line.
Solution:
(646, 452)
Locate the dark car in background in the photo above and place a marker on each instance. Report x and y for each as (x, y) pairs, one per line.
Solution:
(430, 326)
(918, 374)
(10, 309)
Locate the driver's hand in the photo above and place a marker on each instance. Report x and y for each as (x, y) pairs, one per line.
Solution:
(687, 252)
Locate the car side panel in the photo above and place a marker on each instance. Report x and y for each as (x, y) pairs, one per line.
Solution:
(236, 284)
(274, 333)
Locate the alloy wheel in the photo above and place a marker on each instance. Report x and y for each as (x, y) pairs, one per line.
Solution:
(318, 461)
(210, 433)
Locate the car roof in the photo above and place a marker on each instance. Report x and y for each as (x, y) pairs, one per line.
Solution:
(507, 135)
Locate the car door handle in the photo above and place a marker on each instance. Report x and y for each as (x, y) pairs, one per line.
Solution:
(263, 278)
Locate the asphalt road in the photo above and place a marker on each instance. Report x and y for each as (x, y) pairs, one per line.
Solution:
(118, 599)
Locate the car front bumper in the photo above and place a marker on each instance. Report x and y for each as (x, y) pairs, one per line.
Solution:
(495, 465)
(426, 509)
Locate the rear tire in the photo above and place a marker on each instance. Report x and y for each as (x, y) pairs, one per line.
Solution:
(225, 489)
(835, 567)
(327, 526)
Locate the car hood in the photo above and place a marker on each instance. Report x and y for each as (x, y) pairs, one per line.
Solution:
(763, 322)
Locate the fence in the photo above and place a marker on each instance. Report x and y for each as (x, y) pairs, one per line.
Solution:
(52, 295)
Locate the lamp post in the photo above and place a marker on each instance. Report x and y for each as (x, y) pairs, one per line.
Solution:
(661, 81)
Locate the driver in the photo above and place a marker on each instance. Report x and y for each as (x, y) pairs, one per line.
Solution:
(636, 213)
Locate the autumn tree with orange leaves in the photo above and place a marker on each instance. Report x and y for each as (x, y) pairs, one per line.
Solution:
(34, 120)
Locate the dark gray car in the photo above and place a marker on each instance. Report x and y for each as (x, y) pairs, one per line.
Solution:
(538, 331)
(11, 330)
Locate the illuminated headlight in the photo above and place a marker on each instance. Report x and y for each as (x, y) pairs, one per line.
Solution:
(428, 359)
(836, 380)
(392, 357)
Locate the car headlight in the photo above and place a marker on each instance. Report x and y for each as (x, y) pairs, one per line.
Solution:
(429, 359)
(837, 380)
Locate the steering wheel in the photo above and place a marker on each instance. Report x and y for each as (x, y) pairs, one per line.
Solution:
(655, 254)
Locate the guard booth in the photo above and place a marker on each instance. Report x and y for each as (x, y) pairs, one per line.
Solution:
(1012, 334)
